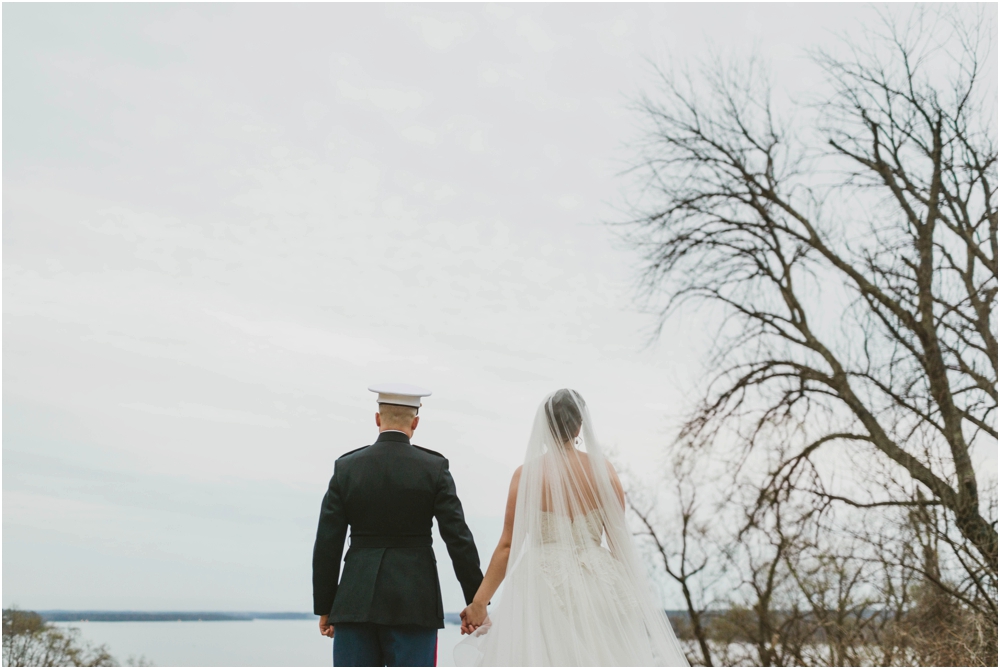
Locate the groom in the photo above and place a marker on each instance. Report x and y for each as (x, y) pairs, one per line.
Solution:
(387, 607)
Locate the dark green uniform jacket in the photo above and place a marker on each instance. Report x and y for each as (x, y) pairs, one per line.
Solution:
(389, 493)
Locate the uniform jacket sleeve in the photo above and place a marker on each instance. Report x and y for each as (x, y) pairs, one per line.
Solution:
(456, 534)
(329, 548)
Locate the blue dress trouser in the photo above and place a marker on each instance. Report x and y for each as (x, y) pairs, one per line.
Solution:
(371, 645)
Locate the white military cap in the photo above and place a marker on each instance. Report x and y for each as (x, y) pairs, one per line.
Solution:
(403, 394)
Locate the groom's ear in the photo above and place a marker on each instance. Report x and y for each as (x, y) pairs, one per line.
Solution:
(378, 419)
(413, 425)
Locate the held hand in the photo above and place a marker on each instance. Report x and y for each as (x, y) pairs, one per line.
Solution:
(473, 617)
(325, 628)
(466, 628)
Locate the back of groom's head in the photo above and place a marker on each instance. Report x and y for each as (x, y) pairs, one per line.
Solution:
(397, 417)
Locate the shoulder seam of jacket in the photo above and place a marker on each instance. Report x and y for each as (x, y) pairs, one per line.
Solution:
(354, 451)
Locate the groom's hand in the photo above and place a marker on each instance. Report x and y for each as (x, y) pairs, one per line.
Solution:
(325, 628)
(466, 627)
(473, 617)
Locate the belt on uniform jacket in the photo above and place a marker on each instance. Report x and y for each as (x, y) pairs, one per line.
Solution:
(389, 542)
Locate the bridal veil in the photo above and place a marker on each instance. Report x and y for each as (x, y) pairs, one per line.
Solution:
(576, 592)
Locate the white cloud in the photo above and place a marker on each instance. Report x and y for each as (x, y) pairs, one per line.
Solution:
(476, 143)
(314, 111)
(438, 34)
(394, 100)
(445, 192)
(310, 341)
(534, 34)
(204, 412)
(420, 134)
(500, 10)
(394, 206)
(568, 202)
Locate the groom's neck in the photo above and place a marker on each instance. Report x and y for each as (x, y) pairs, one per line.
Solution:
(408, 433)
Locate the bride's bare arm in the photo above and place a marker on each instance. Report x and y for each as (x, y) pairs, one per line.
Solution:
(616, 484)
(475, 613)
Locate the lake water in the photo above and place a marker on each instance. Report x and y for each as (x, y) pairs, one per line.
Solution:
(296, 643)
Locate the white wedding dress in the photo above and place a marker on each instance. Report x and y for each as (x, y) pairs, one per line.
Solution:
(575, 592)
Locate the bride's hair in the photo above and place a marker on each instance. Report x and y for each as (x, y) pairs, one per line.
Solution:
(563, 410)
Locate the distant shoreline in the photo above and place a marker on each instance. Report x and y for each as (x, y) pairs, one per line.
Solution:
(63, 616)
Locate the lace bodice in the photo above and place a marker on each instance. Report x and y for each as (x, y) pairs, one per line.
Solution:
(585, 530)
(571, 550)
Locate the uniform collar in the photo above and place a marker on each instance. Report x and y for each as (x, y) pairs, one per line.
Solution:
(393, 435)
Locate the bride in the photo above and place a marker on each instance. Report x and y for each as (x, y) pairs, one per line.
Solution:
(576, 592)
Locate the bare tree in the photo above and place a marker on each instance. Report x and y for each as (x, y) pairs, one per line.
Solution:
(687, 555)
(856, 259)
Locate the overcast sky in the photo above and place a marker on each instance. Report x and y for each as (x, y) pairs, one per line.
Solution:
(222, 223)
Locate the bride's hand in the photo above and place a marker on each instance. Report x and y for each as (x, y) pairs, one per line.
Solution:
(472, 617)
